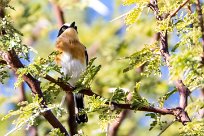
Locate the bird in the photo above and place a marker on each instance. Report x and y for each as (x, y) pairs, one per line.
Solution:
(73, 59)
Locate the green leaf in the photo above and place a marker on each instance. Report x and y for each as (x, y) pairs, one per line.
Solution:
(119, 96)
(165, 97)
(129, 2)
(137, 101)
(194, 128)
(87, 76)
(148, 57)
(56, 132)
(133, 16)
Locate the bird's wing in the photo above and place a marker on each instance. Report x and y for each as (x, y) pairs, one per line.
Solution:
(86, 56)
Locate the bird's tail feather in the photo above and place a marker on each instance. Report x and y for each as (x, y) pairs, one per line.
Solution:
(79, 102)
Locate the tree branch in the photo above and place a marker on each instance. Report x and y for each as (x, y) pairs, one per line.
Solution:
(201, 111)
(22, 96)
(13, 61)
(154, 6)
(116, 124)
(178, 112)
(72, 115)
(113, 128)
(183, 90)
(59, 14)
(178, 8)
(32, 130)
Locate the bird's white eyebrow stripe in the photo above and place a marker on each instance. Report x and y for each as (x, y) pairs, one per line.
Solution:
(66, 24)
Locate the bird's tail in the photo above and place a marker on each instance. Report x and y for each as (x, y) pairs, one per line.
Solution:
(79, 102)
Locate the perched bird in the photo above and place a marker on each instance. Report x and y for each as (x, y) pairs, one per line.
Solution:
(73, 60)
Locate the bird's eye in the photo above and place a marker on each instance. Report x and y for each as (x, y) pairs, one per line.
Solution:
(63, 29)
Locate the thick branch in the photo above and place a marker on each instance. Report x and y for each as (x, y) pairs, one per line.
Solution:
(183, 92)
(59, 14)
(13, 61)
(72, 115)
(116, 124)
(22, 96)
(113, 128)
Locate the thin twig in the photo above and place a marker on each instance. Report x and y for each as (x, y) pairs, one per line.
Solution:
(178, 8)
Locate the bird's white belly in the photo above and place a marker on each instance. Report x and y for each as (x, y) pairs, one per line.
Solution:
(72, 67)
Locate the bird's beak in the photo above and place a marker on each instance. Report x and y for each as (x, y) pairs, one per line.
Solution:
(72, 24)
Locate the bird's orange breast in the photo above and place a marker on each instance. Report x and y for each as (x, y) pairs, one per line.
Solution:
(71, 46)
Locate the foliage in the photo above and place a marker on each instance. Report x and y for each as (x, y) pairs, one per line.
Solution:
(56, 132)
(12, 38)
(187, 66)
(26, 114)
(148, 57)
(87, 76)
(119, 96)
(109, 43)
(133, 16)
(39, 68)
(129, 2)
(3, 74)
(137, 100)
(156, 120)
(50, 91)
(194, 128)
(106, 114)
(194, 107)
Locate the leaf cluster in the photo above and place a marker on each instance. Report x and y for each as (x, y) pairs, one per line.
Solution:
(5, 4)
(56, 132)
(87, 76)
(137, 101)
(39, 68)
(50, 91)
(156, 120)
(188, 66)
(194, 128)
(119, 96)
(26, 114)
(11, 38)
(3, 73)
(148, 57)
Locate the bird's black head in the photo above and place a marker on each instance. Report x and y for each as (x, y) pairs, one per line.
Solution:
(66, 26)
